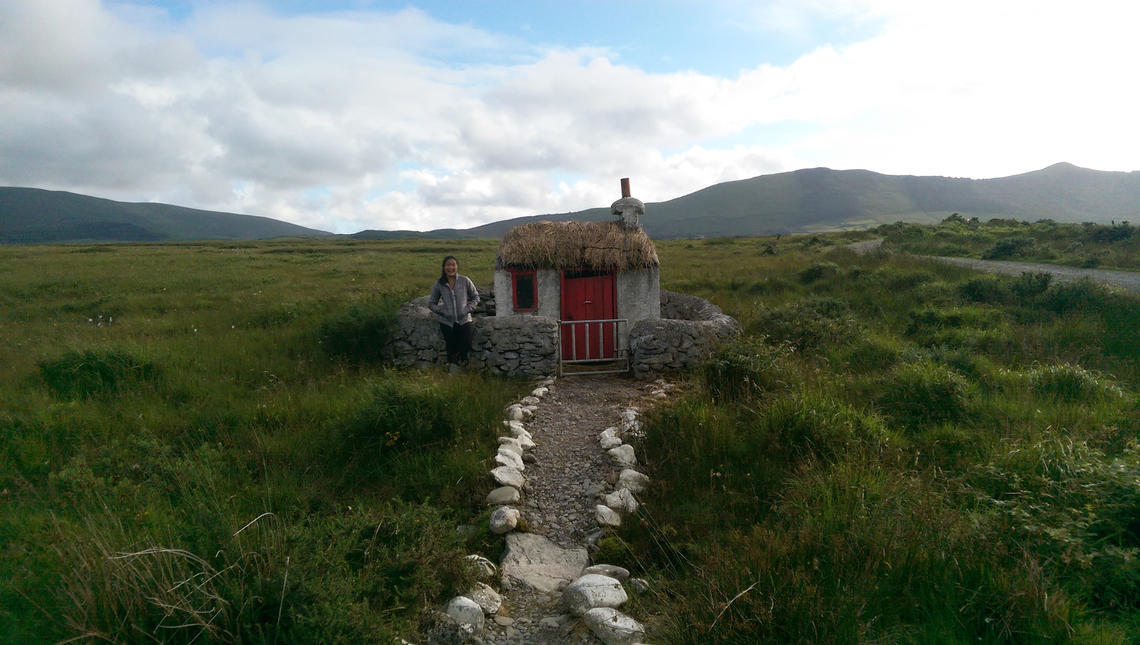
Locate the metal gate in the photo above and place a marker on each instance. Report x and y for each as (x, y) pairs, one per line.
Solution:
(593, 342)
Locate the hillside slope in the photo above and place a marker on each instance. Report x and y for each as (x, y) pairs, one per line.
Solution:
(821, 199)
(32, 215)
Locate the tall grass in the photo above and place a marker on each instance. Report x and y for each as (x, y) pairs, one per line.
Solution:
(896, 452)
(200, 443)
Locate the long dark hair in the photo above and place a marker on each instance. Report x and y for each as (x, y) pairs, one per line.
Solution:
(442, 273)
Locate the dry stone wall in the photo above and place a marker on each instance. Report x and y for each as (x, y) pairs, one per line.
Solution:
(510, 345)
(688, 331)
(528, 345)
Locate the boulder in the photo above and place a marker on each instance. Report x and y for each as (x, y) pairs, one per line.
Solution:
(509, 459)
(504, 520)
(487, 598)
(512, 444)
(606, 516)
(535, 562)
(481, 568)
(508, 476)
(621, 500)
(467, 613)
(613, 627)
(623, 455)
(612, 570)
(609, 439)
(632, 480)
(504, 495)
(593, 590)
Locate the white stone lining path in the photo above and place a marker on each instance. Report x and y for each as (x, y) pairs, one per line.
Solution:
(565, 476)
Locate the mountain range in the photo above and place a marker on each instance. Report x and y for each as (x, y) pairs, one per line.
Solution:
(33, 215)
(801, 201)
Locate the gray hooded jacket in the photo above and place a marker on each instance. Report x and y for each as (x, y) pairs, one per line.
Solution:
(456, 305)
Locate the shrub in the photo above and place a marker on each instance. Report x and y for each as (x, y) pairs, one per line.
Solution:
(1073, 506)
(1082, 295)
(360, 332)
(817, 272)
(809, 324)
(92, 372)
(1069, 382)
(1030, 285)
(986, 288)
(924, 392)
(745, 368)
(398, 414)
(1008, 247)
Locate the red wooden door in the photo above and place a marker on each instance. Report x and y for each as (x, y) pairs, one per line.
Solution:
(588, 296)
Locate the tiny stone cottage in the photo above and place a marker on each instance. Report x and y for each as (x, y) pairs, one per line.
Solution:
(573, 293)
(596, 278)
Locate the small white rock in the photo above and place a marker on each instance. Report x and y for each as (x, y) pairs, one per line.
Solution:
(529, 400)
(515, 413)
(539, 392)
(613, 627)
(466, 612)
(623, 455)
(593, 590)
(512, 444)
(525, 441)
(632, 480)
(621, 500)
(504, 495)
(487, 598)
(504, 520)
(609, 438)
(606, 516)
(507, 458)
(480, 567)
(611, 570)
(508, 476)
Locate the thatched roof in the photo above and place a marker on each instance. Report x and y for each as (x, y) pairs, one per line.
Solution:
(575, 245)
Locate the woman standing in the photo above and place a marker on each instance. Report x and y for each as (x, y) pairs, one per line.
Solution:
(453, 297)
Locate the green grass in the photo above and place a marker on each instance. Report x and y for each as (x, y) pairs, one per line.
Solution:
(199, 442)
(895, 452)
(1113, 246)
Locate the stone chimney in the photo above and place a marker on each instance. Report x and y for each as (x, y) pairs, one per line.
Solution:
(627, 210)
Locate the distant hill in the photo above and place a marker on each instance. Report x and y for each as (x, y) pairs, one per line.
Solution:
(32, 215)
(821, 199)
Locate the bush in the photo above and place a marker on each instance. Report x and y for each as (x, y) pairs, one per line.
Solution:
(986, 289)
(1030, 285)
(809, 324)
(746, 368)
(1008, 247)
(924, 392)
(817, 272)
(93, 372)
(1068, 382)
(361, 332)
(1082, 295)
(399, 414)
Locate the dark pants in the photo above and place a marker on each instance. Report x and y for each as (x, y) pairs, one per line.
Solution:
(458, 340)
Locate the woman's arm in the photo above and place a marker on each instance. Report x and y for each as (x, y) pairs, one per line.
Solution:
(472, 296)
(433, 298)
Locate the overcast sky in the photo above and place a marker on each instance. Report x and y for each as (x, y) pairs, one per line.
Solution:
(355, 115)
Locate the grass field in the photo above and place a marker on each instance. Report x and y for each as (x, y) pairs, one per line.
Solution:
(197, 445)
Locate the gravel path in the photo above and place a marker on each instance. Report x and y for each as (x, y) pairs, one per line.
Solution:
(567, 472)
(1127, 280)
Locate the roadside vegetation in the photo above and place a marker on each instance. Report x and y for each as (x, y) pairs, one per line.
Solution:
(1088, 245)
(894, 452)
(199, 443)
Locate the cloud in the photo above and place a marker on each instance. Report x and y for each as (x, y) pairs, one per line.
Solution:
(347, 120)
